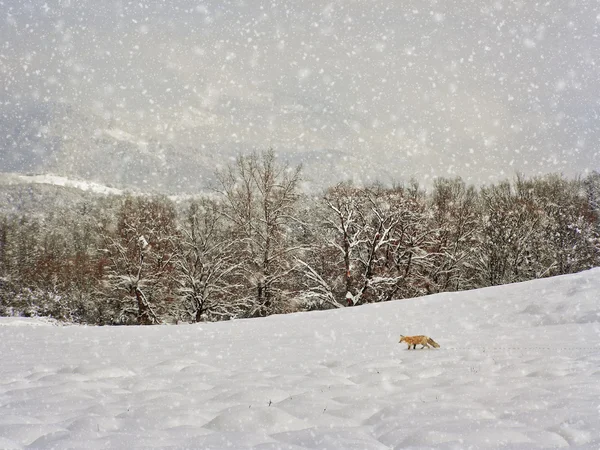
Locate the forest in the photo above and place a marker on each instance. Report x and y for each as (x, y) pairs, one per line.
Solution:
(255, 244)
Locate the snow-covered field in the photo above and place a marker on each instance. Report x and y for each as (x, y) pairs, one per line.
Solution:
(518, 367)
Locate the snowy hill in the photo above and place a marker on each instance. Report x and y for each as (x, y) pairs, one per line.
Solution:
(40, 195)
(54, 180)
(518, 367)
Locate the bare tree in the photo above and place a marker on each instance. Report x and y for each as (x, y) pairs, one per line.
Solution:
(510, 227)
(570, 224)
(454, 224)
(379, 218)
(205, 264)
(373, 239)
(408, 254)
(259, 199)
(330, 236)
(140, 253)
(592, 193)
(344, 233)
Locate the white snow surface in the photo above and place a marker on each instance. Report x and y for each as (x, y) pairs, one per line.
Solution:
(56, 180)
(518, 368)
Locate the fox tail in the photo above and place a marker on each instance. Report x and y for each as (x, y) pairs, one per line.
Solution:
(432, 342)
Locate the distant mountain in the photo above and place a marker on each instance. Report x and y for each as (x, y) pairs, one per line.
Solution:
(31, 199)
(60, 140)
(12, 179)
(157, 96)
(64, 142)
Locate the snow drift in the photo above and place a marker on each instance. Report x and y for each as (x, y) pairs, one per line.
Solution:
(518, 367)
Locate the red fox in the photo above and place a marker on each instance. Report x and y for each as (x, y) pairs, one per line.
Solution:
(425, 341)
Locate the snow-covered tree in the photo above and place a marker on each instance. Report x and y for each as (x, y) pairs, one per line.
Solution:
(380, 217)
(373, 238)
(591, 185)
(258, 198)
(454, 225)
(569, 225)
(509, 236)
(140, 253)
(205, 264)
(408, 253)
(326, 263)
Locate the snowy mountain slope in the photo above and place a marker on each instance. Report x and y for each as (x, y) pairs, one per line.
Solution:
(33, 194)
(54, 180)
(39, 195)
(518, 367)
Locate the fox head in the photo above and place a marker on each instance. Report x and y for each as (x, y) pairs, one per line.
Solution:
(401, 338)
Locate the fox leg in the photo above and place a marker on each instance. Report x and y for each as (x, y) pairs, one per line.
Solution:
(414, 346)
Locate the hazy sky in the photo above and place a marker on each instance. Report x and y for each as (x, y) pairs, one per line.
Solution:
(385, 88)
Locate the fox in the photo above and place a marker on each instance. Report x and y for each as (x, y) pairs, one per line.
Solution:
(425, 341)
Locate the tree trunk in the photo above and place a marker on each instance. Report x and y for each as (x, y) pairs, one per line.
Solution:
(145, 314)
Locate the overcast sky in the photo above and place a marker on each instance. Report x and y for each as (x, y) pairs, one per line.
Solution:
(479, 89)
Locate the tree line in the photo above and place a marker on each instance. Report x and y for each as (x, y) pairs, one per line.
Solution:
(258, 246)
